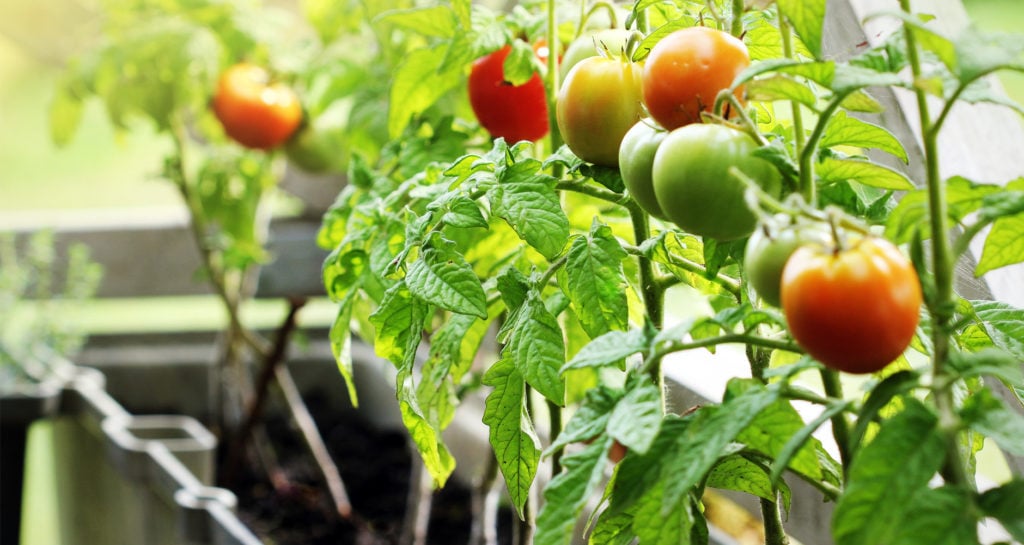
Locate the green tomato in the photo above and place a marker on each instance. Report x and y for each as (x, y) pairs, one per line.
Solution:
(770, 247)
(598, 102)
(319, 146)
(614, 39)
(694, 187)
(636, 163)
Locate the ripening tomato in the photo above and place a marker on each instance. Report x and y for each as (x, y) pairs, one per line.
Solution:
(253, 111)
(512, 112)
(769, 248)
(693, 184)
(854, 309)
(598, 102)
(686, 70)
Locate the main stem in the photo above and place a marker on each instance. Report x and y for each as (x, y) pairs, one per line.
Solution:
(941, 308)
(650, 290)
(771, 511)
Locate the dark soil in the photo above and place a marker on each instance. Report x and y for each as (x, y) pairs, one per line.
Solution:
(375, 465)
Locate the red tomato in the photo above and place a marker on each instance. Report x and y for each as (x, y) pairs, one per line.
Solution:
(853, 309)
(599, 101)
(512, 112)
(687, 69)
(253, 111)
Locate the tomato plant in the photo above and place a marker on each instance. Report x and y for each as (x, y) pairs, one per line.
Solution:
(599, 100)
(693, 184)
(853, 308)
(636, 163)
(254, 111)
(512, 112)
(687, 69)
(769, 248)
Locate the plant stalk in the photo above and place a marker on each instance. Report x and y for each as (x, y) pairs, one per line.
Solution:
(942, 307)
(797, 112)
(840, 427)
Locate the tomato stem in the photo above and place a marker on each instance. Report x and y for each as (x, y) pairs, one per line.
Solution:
(807, 186)
(797, 112)
(552, 78)
(840, 427)
(652, 294)
(737, 18)
(941, 306)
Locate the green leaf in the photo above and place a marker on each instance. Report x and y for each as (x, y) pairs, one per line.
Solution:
(511, 433)
(962, 196)
(536, 347)
(1003, 245)
(843, 130)
(610, 349)
(437, 21)
(707, 437)
(399, 325)
(681, 255)
(442, 277)
(861, 101)
(594, 281)
(988, 414)
(892, 386)
(417, 84)
(613, 529)
(436, 458)
(464, 212)
(831, 170)
(941, 516)
(801, 443)
(636, 419)
(1004, 325)
(590, 419)
(808, 19)
(453, 347)
(1006, 504)
(772, 429)
(988, 361)
(568, 492)
(341, 346)
(780, 87)
(739, 474)
(657, 524)
(886, 475)
(979, 53)
(520, 64)
(527, 200)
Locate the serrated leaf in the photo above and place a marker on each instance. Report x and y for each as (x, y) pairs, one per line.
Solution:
(436, 458)
(988, 414)
(780, 87)
(520, 64)
(831, 170)
(1004, 246)
(706, 439)
(821, 72)
(568, 492)
(590, 419)
(681, 255)
(1004, 325)
(464, 212)
(861, 101)
(341, 346)
(417, 84)
(442, 277)
(770, 432)
(399, 325)
(511, 434)
(941, 516)
(636, 419)
(892, 386)
(962, 196)
(1006, 504)
(453, 348)
(656, 524)
(609, 349)
(979, 53)
(808, 19)
(535, 346)
(594, 281)
(527, 200)
(886, 474)
(988, 361)
(843, 130)
(739, 474)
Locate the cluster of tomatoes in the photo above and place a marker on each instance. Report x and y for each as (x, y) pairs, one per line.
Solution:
(851, 300)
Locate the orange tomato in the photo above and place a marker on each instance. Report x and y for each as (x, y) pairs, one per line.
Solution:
(254, 112)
